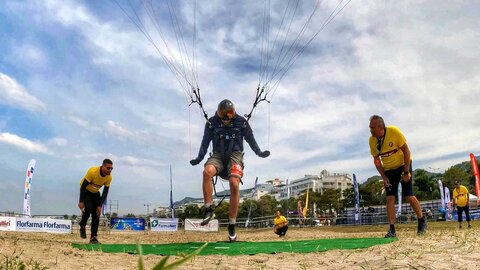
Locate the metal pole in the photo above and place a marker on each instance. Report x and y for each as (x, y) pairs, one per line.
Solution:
(148, 208)
(171, 193)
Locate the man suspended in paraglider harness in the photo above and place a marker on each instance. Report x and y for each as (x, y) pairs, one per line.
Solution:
(226, 130)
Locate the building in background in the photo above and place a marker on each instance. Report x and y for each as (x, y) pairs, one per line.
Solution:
(318, 183)
(279, 189)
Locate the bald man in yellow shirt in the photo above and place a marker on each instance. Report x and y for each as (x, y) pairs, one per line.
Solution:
(391, 157)
(460, 200)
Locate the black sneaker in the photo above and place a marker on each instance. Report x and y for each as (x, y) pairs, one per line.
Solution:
(207, 216)
(390, 234)
(232, 236)
(83, 233)
(94, 240)
(422, 228)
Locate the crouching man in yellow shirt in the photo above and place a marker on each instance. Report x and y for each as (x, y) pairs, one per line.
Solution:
(280, 224)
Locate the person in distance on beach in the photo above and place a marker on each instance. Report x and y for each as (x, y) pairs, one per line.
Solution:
(280, 224)
(460, 200)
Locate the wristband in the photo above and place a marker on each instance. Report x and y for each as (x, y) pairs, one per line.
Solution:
(405, 172)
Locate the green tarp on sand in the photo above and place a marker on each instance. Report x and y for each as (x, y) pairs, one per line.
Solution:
(241, 248)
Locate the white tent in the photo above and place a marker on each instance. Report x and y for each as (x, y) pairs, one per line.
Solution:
(473, 202)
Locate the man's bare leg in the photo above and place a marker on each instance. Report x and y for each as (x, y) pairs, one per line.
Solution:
(234, 197)
(415, 206)
(208, 172)
(233, 207)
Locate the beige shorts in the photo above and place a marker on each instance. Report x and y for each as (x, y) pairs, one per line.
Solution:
(235, 163)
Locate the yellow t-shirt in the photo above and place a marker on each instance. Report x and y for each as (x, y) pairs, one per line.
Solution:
(96, 180)
(279, 220)
(460, 195)
(390, 152)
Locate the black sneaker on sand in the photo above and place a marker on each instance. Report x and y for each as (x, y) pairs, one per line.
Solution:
(94, 240)
(207, 216)
(422, 227)
(83, 233)
(390, 234)
(232, 235)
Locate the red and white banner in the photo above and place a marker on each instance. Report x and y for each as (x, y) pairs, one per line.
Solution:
(7, 223)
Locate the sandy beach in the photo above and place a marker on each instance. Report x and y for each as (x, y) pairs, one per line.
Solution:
(443, 247)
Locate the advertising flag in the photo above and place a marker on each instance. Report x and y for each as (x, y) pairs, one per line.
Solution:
(447, 195)
(476, 174)
(171, 193)
(448, 204)
(28, 184)
(306, 205)
(288, 191)
(399, 195)
(442, 192)
(357, 198)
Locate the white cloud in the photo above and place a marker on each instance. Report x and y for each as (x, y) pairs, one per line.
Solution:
(30, 55)
(77, 120)
(122, 161)
(139, 162)
(58, 141)
(115, 129)
(24, 144)
(93, 155)
(84, 124)
(14, 94)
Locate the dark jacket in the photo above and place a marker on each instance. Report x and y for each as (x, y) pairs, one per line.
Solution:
(227, 138)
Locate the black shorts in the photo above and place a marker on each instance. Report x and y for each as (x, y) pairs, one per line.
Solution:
(394, 177)
(282, 231)
(92, 201)
(460, 210)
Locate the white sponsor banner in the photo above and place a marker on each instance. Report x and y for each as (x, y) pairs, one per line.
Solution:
(7, 223)
(194, 225)
(164, 224)
(43, 225)
(29, 224)
(57, 225)
(28, 184)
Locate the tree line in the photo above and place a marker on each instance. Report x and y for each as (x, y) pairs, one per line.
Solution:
(425, 186)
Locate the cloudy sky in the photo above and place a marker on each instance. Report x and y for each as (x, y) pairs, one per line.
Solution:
(79, 82)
